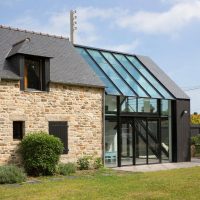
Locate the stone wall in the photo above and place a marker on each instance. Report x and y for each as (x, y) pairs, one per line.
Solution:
(80, 106)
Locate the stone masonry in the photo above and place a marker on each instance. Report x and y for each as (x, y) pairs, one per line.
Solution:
(80, 106)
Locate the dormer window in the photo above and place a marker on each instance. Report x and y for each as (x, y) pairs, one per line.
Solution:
(31, 64)
(34, 73)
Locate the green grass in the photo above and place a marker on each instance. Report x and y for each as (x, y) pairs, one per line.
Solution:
(108, 184)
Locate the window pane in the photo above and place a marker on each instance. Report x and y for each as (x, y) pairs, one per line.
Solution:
(150, 78)
(18, 130)
(165, 107)
(111, 73)
(141, 141)
(111, 104)
(153, 142)
(165, 139)
(147, 105)
(110, 88)
(133, 84)
(128, 104)
(140, 79)
(33, 74)
(110, 143)
(126, 143)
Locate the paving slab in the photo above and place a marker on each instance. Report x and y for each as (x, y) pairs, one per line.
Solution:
(159, 167)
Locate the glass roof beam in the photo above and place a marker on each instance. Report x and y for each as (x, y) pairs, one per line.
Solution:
(165, 92)
(136, 73)
(103, 72)
(118, 74)
(111, 73)
(131, 75)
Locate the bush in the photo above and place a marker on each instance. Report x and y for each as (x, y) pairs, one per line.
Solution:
(11, 174)
(84, 163)
(97, 163)
(195, 140)
(40, 152)
(66, 169)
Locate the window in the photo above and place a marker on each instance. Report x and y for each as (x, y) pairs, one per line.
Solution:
(60, 130)
(18, 130)
(34, 73)
(147, 105)
(128, 104)
(111, 105)
(165, 107)
(111, 143)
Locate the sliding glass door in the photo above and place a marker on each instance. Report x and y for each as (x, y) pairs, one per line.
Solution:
(140, 141)
(127, 143)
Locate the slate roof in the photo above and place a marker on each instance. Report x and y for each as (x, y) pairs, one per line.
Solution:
(66, 65)
(163, 77)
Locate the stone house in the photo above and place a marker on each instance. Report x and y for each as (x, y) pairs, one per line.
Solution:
(113, 105)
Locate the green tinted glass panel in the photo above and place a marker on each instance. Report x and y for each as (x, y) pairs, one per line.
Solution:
(111, 73)
(140, 79)
(126, 76)
(110, 88)
(150, 78)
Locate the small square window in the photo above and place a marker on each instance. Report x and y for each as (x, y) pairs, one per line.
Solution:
(18, 130)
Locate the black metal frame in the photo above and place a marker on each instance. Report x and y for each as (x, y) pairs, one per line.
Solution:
(128, 54)
(120, 118)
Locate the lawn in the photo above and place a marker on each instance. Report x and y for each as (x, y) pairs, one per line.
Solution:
(108, 184)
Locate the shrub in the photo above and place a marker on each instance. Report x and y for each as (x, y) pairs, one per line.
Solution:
(195, 140)
(11, 174)
(66, 169)
(84, 163)
(97, 163)
(40, 152)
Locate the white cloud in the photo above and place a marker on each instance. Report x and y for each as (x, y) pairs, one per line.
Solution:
(176, 1)
(127, 47)
(58, 23)
(168, 22)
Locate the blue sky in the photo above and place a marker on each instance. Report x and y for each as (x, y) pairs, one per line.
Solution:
(166, 30)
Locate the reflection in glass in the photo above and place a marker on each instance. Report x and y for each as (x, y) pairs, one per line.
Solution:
(127, 142)
(127, 77)
(153, 141)
(165, 107)
(128, 104)
(165, 139)
(141, 141)
(150, 78)
(147, 105)
(117, 80)
(110, 143)
(111, 104)
(110, 88)
(138, 77)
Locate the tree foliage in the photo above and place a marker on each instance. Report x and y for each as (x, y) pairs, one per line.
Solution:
(195, 119)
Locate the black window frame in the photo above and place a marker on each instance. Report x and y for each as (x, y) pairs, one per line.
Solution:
(45, 75)
(18, 134)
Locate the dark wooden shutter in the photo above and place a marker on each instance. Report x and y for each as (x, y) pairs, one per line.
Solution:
(60, 130)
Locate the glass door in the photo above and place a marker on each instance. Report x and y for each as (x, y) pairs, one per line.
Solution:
(127, 151)
(141, 141)
(153, 141)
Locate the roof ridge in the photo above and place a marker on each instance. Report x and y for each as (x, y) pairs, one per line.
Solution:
(33, 32)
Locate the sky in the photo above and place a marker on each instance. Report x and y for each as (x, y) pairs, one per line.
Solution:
(168, 31)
